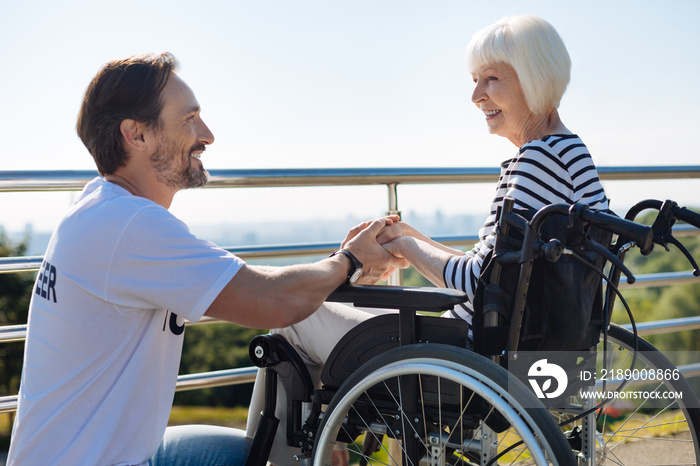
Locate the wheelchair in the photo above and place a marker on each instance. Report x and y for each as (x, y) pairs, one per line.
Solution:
(412, 388)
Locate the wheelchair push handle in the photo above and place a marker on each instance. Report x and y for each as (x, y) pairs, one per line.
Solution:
(643, 235)
(688, 216)
(679, 213)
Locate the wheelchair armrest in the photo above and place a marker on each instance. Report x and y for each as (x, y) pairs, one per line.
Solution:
(398, 297)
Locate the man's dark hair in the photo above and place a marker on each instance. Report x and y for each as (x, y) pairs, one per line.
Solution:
(128, 88)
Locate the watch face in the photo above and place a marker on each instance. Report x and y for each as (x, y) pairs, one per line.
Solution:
(356, 275)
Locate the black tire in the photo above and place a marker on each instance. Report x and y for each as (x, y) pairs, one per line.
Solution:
(462, 398)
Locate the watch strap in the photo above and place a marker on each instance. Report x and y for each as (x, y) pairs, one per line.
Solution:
(354, 261)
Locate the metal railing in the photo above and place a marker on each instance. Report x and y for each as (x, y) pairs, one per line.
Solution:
(72, 180)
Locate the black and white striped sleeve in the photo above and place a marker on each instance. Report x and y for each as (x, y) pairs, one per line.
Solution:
(556, 169)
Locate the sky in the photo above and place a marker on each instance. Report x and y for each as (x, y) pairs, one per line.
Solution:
(362, 83)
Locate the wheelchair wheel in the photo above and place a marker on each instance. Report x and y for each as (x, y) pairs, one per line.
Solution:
(632, 430)
(442, 405)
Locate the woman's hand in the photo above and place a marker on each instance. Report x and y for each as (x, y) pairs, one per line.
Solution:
(393, 248)
(392, 231)
(428, 259)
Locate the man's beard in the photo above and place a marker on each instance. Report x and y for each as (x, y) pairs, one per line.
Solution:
(184, 177)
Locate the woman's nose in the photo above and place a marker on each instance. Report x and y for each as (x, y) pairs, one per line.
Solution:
(478, 95)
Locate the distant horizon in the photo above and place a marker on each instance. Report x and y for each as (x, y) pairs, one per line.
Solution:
(260, 233)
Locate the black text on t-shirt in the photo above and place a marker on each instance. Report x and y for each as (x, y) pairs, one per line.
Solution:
(46, 283)
(172, 324)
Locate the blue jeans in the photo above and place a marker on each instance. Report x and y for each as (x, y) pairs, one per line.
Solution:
(200, 445)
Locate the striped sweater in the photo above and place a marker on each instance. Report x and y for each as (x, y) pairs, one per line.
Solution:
(555, 169)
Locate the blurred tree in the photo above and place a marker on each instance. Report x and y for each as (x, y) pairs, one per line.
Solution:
(212, 347)
(15, 293)
(660, 303)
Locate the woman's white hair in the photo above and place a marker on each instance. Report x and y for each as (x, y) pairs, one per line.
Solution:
(535, 51)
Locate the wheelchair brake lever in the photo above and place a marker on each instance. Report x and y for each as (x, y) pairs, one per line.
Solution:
(672, 239)
(663, 233)
(592, 245)
(663, 223)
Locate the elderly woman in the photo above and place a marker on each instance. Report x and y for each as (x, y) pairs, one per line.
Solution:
(520, 69)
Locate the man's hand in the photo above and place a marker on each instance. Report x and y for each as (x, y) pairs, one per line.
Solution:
(376, 261)
(388, 221)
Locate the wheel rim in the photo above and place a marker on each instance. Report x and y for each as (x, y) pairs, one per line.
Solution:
(533, 451)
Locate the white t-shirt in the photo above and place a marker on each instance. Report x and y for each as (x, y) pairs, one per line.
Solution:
(106, 329)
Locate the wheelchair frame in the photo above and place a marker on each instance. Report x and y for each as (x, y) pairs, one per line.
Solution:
(443, 403)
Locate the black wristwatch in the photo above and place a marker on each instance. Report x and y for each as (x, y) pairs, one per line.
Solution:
(356, 268)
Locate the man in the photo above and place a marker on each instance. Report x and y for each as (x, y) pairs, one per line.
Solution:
(121, 273)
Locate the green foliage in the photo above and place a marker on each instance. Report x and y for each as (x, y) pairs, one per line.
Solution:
(16, 287)
(411, 277)
(15, 293)
(213, 416)
(660, 303)
(212, 347)
(661, 260)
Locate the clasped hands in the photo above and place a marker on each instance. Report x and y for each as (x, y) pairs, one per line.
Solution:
(377, 244)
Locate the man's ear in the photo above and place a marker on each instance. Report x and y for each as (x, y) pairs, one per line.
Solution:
(133, 135)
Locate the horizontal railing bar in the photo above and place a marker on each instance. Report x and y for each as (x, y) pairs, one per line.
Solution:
(639, 173)
(71, 180)
(10, 333)
(690, 370)
(20, 264)
(684, 230)
(212, 379)
(7, 264)
(216, 378)
(643, 281)
(661, 279)
(282, 251)
(666, 326)
(8, 404)
(32, 263)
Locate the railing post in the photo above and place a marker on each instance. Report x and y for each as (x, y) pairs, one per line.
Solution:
(396, 278)
(393, 199)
